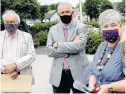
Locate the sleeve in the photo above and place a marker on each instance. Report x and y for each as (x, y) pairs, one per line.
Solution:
(124, 63)
(71, 47)
(52, 52)
(26, 60)
(2, 62)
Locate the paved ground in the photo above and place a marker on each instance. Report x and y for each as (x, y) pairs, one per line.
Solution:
(41, 71)
(41, 50)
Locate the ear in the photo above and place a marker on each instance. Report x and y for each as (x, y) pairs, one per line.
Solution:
(121, 26)
(58, 14)
(120, 31)
(73, 15)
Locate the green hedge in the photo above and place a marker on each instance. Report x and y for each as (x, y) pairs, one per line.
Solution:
(94, 39)
(94, 24)
(39, 32)
(40, 39)
(38, 26)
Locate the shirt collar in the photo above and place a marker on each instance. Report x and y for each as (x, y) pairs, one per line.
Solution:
(11, 36)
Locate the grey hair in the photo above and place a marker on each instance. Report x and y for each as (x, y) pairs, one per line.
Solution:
(12, 12)
(59, 5)
(110, 16)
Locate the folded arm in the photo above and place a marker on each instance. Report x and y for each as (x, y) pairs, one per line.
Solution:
(51, 51)
(74, 47)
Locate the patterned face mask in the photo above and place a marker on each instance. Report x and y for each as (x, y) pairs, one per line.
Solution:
(111, 35)
(11, 27)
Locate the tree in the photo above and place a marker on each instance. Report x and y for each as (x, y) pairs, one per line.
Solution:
(52, 7)
(95, 7)
(121, 7)
(105, 5)
(43, 10)
(27, 9)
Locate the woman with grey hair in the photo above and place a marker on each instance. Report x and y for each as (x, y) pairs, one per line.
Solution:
(107, 70)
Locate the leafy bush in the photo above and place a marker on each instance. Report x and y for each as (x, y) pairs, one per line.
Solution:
(36, 42)
(38, 26)
(94, 39)
(94, 24)
(40, 39)
(42, 36)
(39, 32)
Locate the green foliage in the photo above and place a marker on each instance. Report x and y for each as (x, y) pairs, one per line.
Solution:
(94, 24)
(105, 5)
(121, 7)
(38, 26)
(40, 38)
(95, 7)
(52, 7)
(94, 39)
(39, 32)
(43, 9)
(27, 9)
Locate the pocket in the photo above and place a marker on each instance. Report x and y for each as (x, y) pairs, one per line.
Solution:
(85, 63)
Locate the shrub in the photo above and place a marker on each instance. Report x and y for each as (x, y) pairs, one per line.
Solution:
(94, 24)
(94, 39)
(38, 26)
(42, 37)
(36, 42)
(39, 32)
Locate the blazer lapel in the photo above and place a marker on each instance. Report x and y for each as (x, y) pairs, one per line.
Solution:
(73, 29)
(61, 32)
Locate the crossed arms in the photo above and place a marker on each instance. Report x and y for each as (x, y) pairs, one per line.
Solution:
(62, 49)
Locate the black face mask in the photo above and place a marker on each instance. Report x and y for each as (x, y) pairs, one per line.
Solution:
(66, 19)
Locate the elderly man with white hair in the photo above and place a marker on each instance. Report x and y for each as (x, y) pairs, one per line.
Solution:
(16, 47)
(108, 68)
(66, 44)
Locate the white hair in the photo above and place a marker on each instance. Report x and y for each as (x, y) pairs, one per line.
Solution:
(63, 3)
(11, 12)
(110, 16)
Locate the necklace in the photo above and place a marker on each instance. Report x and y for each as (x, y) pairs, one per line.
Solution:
(100, 67)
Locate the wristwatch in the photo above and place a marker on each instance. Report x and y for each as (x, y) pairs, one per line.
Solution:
(110, 89)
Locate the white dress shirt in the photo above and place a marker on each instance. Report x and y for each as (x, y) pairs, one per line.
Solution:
(10, 49)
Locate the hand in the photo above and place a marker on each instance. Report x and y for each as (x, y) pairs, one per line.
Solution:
(3, 69)
(94, 88)
(13, 75)
(10, 68)
(103, 89)
(77, 39)
(91, 86)
(55, 45)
